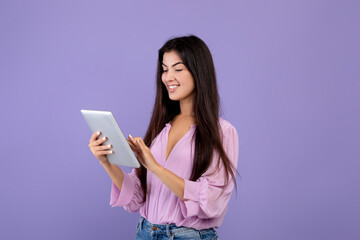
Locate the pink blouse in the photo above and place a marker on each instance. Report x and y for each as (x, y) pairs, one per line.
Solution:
(207, 204)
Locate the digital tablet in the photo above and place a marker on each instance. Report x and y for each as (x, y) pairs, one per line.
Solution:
(104, 122)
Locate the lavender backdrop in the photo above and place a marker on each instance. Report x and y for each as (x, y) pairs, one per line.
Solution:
(288, 74)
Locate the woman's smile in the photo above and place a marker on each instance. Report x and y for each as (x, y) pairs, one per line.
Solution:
(172, 88)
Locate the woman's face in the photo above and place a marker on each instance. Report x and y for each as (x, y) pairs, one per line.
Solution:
(177, 78)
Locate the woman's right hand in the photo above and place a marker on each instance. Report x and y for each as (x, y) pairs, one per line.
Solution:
(100, 151)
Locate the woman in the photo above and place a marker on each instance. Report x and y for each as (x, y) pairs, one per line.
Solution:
(188, 156)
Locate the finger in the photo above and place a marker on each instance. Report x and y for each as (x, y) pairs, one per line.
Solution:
(94, 136)
(102, 147)
(134, 141)
(132, 145)
(99, 141)
(134, 148)
(132, 138)
(141, 142)
(99, 153)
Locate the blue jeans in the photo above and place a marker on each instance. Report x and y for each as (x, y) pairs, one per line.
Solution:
(146, 230)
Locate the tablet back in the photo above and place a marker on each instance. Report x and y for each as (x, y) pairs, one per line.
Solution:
(105, 122)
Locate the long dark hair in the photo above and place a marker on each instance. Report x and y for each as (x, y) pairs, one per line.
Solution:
(197, 58)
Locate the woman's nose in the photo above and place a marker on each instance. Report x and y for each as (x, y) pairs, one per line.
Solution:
(169, 75)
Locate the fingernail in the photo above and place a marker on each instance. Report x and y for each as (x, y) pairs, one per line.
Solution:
(98, 132)
(104, 138)
(130, 135)
(109, 145)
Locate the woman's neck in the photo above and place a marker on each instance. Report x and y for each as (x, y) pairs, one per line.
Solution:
(187, 107)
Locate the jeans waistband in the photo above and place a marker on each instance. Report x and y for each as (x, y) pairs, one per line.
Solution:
(168, 229)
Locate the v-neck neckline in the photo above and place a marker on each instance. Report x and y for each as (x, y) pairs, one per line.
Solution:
(168, 125)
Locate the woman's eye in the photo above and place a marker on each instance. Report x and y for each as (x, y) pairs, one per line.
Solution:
(178, 70)
(165, 70)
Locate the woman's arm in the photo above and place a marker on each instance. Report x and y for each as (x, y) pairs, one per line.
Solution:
(115, 173)
(175, 183)
(125, 188)
(100, 150)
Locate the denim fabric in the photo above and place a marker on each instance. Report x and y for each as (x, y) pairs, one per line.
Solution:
(145, 230)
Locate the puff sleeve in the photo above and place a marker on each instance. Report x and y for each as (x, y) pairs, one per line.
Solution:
(131, 196)
(208, 197)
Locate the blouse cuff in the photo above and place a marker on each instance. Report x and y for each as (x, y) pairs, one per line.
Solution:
(191, 190)
(196, 193)
(123, 197)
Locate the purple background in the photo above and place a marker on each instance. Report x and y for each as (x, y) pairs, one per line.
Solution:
(288, 74)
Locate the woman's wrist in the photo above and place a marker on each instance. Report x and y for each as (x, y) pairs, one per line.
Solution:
(105, 163)
(156, 169)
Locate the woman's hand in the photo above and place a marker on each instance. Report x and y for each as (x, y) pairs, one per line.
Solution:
(175, 183)
(143, 153)
(98, 149)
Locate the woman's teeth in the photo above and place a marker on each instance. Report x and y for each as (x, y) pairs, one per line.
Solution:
(173, 86)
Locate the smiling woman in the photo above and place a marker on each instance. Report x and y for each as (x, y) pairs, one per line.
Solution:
(188, 156)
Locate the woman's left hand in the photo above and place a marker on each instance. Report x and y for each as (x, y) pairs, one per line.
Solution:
(143, 153)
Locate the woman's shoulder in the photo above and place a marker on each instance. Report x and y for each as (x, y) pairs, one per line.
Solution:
(226, 125)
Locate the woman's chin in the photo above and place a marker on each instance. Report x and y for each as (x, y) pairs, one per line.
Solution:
(174, 97)
(177, 97)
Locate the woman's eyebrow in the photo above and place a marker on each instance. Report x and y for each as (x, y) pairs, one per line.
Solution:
(173, 64)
